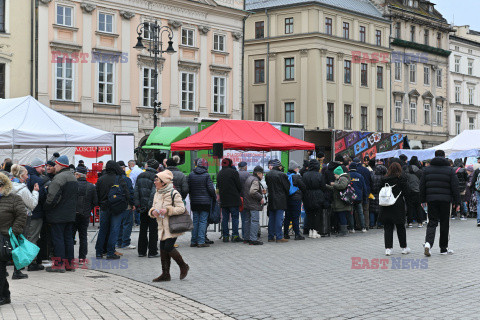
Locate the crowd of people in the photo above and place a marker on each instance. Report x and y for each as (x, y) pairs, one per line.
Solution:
(51, 202)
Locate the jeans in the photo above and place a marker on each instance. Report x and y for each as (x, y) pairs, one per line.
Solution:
(275, 222)
(478, 206)
(148, 235)
(125, 230)
(199, 227)
(111, 222)
(81, 225)
(401, 233)
(358, 209)
(350, 221)
(254, 225)
(342, 217)
(463, 208)
(293, 214)
(366, 215)
(226, 213)
(438, 211)
(137, 217)
(246, 224)
(4, 286)
(63, 242)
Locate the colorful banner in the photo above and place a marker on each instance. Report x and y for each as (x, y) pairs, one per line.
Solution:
(360, 144)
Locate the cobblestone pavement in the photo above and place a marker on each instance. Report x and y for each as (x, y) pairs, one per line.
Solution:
(88, 294)
(314, 279)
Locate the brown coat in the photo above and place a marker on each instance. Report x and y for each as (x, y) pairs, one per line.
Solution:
(13, 212)
(164, 201)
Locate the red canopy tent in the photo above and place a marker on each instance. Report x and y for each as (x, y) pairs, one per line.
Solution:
(242, 135)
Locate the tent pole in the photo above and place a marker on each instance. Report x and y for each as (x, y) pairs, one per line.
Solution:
(46, 154)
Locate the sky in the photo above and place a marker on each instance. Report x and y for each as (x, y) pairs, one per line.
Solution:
(460, 12)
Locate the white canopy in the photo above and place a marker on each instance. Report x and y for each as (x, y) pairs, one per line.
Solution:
(420, 154)
(26, 123)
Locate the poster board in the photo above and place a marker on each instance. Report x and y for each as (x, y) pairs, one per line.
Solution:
(360, 144)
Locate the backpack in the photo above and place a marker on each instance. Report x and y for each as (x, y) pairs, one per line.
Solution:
(292, 189)
(386, 197)
(117, 202)
(348, 195)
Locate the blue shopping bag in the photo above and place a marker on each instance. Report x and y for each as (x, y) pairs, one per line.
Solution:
(23, 251)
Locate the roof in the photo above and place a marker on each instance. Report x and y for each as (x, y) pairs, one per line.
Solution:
(363, 7)
(422, 9)
(163, 137)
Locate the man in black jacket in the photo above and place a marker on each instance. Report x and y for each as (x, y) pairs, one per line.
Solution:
(462, 176)
(278, 192)
(148, 235)
(229, 189)
(477, 191)
(439, 188)
(294, 201)
(180, 182)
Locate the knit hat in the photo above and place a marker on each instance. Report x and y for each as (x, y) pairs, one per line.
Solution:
(63, 161)
(121, 163)
(81, 169)
(36, 163)
(50, 163)
(258, 169)
(242, 164)
(275, 163)
(152, 163)
(470, 168)
(171, 163)
(293, 165)
(166, 176)
(338, 171)
(226, 162)
(202, 162)
(356, 160)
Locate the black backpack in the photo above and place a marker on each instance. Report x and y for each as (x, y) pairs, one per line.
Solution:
(117, 201)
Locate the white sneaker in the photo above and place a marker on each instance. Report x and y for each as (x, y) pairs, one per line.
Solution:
(410, 225)
(463, 218)
(364, 230)
(427, 249)
(310, 234)
(406, 250)
(447, 252)
(351, 231)
(131, 247)
(388, 252)
(420, 225)
(316, 235)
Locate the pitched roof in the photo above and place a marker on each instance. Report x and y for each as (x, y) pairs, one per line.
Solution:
(422, 8)
(360, 6)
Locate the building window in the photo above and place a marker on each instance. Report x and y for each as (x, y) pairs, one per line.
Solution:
(413, 73)
(188, 91)
(426, 75)
(439, 78)
(188, 37)
(413, 112)
(457, 64)
(147, 33)
(471, 96)
(439, 40)
(218, 42)
(289, 69)
(346, 30)
(105, 22)
(259, 71)
(363, 33)
(378, 37)
(398, 71)
(380, 77)
(364, 75)
(348, 71)
(398, 111)
(148, 87)
(426, 109)
(259, 30)
(425, 37)
(457, 124)
(457, 93)
(2, 80)
(412, 33)
(328, 26)
(63, 79)
(457, 48)
(330, 69)
(259, 110)
(398, 30)
(379, 119)
(288, 25)
(471, 123)
(364, 119)
(330, 115)
(289, 112)
(347, 117)
(470, 51)
(64, 15)
(439, 115)
(470, 67)
(105, 83)
(219, 94)
(2, 15)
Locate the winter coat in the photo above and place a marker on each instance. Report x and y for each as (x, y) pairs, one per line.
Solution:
(176, 207)
(143, 189)
(29, 198)
(329, 177)
(229, 187)
(253, 195)
(297, 182)
(314, 198)
(87, 197)
(133, 174)
(201, 188)
(413, 175)
(180, 182)
(377, 176)
(35, 177)
(243, 175)
(359, 185)
(439, 182)
(105, 183)
(396, 213)
(278, 189)
(366, 174)
(61, 203)
(338, 205)
(13, 213)
(462, 176)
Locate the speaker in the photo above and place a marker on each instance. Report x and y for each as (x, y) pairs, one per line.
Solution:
(218, 150)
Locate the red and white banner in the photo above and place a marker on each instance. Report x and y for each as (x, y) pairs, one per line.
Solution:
(93, 152)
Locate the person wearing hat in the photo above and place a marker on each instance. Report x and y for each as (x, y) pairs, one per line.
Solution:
(166, 203)
(60, 211)
(125, 230)
(229, 188)
(339, 207)
(243, 174)
(253, 203)
(294, 203)
(87, 201)
(179, 179)
(278, 192)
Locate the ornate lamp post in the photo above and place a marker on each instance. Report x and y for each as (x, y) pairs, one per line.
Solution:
(155, 48)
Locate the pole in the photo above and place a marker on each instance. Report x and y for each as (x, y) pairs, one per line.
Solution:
(156, 35)
(46, 154)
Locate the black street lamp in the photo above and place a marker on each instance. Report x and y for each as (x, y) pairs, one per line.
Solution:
(155, 48)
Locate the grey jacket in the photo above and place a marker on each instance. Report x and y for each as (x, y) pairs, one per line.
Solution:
(252, 191)
(61, 203)
(341, 184)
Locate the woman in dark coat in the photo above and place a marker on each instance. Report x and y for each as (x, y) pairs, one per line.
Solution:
(378, 173)
(394, 215)
(314, 198)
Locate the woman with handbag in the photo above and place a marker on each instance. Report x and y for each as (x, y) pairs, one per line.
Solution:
(167, 203)
(13, 214)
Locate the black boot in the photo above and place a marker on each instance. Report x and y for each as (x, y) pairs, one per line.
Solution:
(17, 275)
(343, 231)
(166, 260)
(179, 260)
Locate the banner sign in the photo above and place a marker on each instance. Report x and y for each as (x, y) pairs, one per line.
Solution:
(93, 152)
(252, 158)
(360, 144)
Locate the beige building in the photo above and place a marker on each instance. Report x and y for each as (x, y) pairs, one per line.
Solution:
(419, 70)
(319, 65)
(17, 48)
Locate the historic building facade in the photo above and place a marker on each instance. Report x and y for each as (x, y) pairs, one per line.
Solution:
(89, 70)
(420, 56)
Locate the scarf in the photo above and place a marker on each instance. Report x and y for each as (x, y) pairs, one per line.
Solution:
(168, 188)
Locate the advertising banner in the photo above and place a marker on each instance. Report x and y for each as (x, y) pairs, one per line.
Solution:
(360, 144)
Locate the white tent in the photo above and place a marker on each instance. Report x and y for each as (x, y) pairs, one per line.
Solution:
(26, 123)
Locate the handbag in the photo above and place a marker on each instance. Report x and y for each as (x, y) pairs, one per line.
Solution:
(215, 212)
(23, 251)
(179, 223)
(5, 248)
